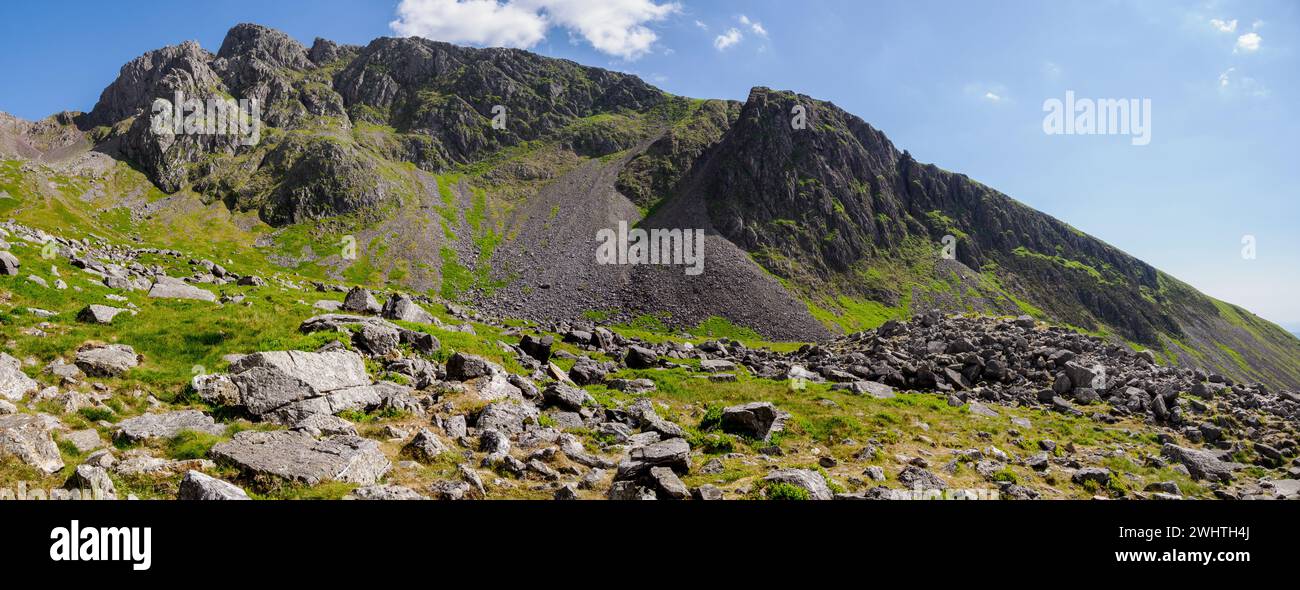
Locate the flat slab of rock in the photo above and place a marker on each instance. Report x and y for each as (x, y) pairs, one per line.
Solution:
(200, 486)
(98, 314)
(106, 360)
(14, 383)
(180, 290)
(871, 388)
(85, 440)
(27, 437)
(168, 425)
(1201, 464)
(293, 456)
(287, 387)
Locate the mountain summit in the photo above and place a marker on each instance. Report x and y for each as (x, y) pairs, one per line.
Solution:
(484, 175)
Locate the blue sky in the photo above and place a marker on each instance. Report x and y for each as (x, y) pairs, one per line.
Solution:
(959, 83)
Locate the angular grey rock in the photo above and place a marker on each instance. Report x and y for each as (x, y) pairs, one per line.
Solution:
(288, 386)
(402, 307)
(200, 486)
(716, 365)
(450, 490)
(567, 491)
(297, 457)
(640, 358)
(180, 290)
(14, 383)
(98, 314)
(106, 360)
(8, 263)
(360, 300)
(649, 420)
(759, 420)
(707, 492)
(507, 417)
(425, 447)
(913, 476)
(806, 479)
(84, 440)
(1081, 376)
(464, 367)
(168, 425)
(1201, 464)
(674, 453)
(27, 437)
(630, 490)
(566, 396)
(871, 388)
(667, 484)
(92, 481)
(1097, 475)
(216, 389)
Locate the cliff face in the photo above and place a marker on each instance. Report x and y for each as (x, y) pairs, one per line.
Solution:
(828, 214)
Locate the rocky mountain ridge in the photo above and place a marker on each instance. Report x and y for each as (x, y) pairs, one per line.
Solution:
(812, 231)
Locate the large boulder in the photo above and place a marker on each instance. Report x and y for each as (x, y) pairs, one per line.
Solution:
(98, 314)
(674, 453)
(1201, 464)
(199, 486)
(758, 420)
(361, 300)
(289, 386)
(402, 307)
(464, 367)
(640, 358)
(167, 288)
(14, 383)
(808, 480)
(27, 437)
(106, 360)
(8, 263)
(266, 457)
(507, 417)
(566, 397)
(93, 481)
(168, 425)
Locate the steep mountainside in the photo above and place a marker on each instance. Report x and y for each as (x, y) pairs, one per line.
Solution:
(391, 149)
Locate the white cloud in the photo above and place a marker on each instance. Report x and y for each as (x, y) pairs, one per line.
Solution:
(1248, 43)
(615, 27)
(1224, 26)
(701, 25)
(754, 26)
(731, 37)
(990, 93)
(1255, 26)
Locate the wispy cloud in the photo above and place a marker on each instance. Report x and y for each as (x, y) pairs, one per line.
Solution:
(728, 39)
(1224, 26)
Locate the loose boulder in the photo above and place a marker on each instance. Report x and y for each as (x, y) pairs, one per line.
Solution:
(758, 420)
(14, 383)
(269, 456)
(168, 425)
(106, 360)
(199, 486)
